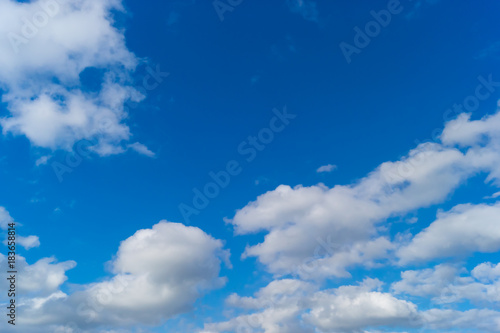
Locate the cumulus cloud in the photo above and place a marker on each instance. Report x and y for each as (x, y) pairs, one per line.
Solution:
(289, 305)
(296, 306)
(28, 242)
(44, 277)
(486, 272)
(36, 281)
(49, 45)
(426, 282)
(295, 219)
(476, 320)
(463, 230)
(158, 273)
(276, 307)
(351, 308)
(449, 284)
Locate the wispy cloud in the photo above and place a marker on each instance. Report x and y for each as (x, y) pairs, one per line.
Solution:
(306, 8)
(326, 168)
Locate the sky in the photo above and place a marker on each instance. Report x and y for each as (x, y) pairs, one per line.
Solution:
(290, 166)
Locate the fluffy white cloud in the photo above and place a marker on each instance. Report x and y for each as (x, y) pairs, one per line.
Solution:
(44, 277)
(482, 136)
(296, 306)
(28, 242)
(158, 273)
(297, 219)
(275, 308)
(464, 229)
(464, 132)
(352, 308)
(476, 320)
(49, 44)
(426, 282)
(447, 284)
(35, 285)
(486, 272)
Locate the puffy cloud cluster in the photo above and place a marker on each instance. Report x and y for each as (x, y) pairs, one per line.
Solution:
(47, 46)
(158, 273)
(351, 308)
(447, 284)
(297, 219)
(297, 306)
(316, 233)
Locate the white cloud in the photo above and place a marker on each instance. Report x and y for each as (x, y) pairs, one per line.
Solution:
(54, 111)
(448, 284)
(43, 277)
(426, 282)
(28, 242)
(326, 168)
(42, 160)
(486, 272)
(158, 273)
(350, 309)
(477, 320)
(40, 279)
(141, 149)
(493, 196)
(464, 132)
(352, 216)
(295, 218)
(296, 306)
(275, 308)
(463, 230)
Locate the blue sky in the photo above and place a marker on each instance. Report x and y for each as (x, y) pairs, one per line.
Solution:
(116, 115)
